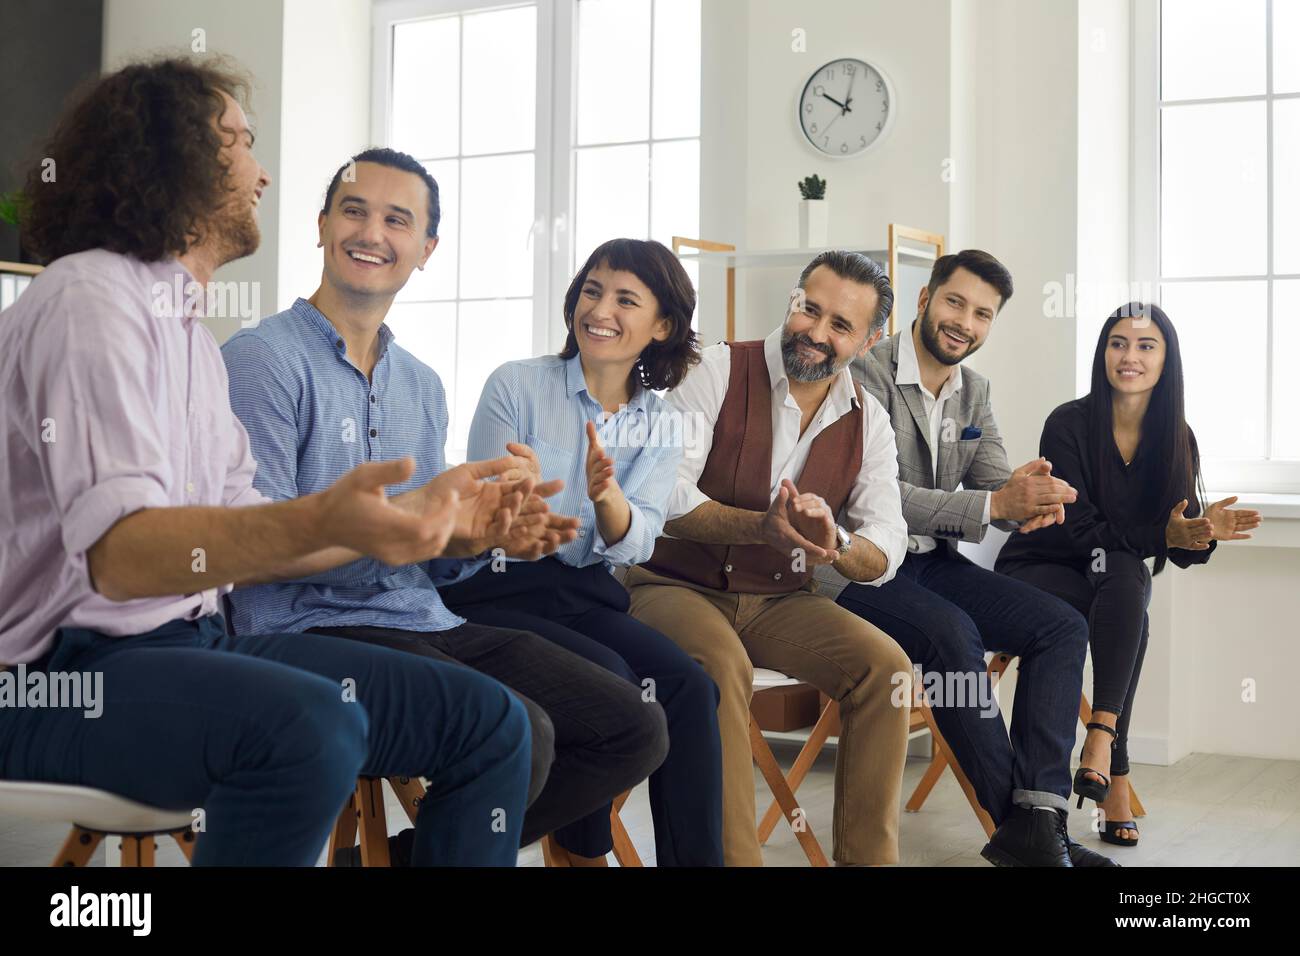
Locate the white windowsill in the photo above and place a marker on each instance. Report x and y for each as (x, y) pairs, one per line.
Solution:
(1281, 514)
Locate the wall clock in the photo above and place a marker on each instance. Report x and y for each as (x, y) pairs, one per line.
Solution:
(846, 108)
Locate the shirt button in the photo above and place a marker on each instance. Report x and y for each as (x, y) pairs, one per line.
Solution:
(582, 532)
(777, 576)
(189, 486)
(339, 343)
(727, 569)
(372, 398)
(374, 432)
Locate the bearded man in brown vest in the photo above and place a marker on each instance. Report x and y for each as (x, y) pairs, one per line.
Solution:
(789, 465)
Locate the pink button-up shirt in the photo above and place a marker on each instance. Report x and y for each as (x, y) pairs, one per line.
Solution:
(112, 399)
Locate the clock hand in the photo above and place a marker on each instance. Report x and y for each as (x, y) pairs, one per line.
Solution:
(848, 97)
(843, 109)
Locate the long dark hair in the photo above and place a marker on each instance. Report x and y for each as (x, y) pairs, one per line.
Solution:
(1171, 464)
(664, 364)
(138, 166)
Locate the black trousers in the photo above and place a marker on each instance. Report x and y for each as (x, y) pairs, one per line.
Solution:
(604, 738)
(585, 611)
(1113, 593)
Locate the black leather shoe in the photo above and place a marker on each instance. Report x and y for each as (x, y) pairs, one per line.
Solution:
(1080, 855)
(399, 851)
(1030, 837)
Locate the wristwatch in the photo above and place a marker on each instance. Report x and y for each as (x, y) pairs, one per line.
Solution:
(843, 541)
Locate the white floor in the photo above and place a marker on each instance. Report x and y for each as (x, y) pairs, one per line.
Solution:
(1205, 810)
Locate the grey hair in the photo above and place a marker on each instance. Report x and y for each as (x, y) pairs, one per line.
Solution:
(856, 267)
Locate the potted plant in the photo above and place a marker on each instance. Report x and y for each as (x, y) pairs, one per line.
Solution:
(813, 212)
(11, 209)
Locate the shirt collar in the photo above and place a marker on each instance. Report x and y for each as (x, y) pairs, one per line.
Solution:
(316, 319)
(575, 383)
(842, 394)
(909, 369)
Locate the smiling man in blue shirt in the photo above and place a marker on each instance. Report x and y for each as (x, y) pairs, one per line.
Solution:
(323, 386)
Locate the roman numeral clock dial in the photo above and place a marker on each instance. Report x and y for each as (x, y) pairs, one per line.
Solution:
(846, 108)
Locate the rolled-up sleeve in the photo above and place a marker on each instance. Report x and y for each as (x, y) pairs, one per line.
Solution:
(874, 508)
(92, 387)
(650, 487)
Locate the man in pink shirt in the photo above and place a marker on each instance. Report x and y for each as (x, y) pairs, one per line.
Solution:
(128, 508)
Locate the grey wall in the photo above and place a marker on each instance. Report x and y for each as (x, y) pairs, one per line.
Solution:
(47, 48)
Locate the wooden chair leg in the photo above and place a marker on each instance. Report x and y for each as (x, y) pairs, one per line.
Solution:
(963, 781)
(186, 839)
(553, 854)
(802, 764)
(78, 848)
(938, 763)
(344, 834)
(372, 822)
(409, 792)
(137, 850)
(624, 850)
(784, 796)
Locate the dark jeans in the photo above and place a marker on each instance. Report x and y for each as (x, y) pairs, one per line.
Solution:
(1114, 601)
(268, 734)
(945, 612)
(603, 737)
(585, 611)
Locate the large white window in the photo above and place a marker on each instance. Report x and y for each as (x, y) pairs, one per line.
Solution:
(1227, 226)
(550, 126)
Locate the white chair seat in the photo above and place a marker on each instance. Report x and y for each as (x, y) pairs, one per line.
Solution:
(764, 678)
(88, 808)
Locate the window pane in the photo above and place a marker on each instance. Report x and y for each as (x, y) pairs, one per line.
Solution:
(1286, 385)
(496, 251)
(1209, 48)
(1286, 186)
(612, 196)
(426, 87)
(1286, 46)
(675, 191)
(1225, 402)
(491, 333)
(1213, 179)
(438, 280)
(677, 68)
(500, 81)
(428, 331)
(613, 70)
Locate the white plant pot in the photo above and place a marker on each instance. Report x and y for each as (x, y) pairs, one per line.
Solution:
(814, 215)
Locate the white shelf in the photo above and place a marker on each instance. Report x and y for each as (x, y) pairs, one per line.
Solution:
(799, 257)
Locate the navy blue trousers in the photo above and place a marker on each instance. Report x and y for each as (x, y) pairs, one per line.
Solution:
(585, 611)
(267, 734)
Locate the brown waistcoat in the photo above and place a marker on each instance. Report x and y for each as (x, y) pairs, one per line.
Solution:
(737, 473)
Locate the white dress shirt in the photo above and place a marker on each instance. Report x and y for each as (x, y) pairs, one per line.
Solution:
(874, 506)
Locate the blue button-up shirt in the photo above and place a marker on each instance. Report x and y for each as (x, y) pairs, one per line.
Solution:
(311, 416)
(544, 402)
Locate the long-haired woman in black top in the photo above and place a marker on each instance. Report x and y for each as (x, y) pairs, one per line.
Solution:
(1127, 450)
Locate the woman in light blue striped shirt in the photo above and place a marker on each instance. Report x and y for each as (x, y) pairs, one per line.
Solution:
(591, 417)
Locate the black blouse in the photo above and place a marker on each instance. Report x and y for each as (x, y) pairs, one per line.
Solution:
(1065, 444)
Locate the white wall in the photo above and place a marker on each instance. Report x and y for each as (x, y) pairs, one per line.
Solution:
(763, 160)
(326, 119)
(251, 31)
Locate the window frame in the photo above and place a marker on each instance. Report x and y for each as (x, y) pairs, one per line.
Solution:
(1237, 475)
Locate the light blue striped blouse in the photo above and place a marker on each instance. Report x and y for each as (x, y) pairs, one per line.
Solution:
(544, 402)
(311, 416)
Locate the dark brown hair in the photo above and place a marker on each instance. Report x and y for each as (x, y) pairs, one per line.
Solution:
(396, 160)
(861, 269)
(977, 262)
(663, 364)
(137, 163)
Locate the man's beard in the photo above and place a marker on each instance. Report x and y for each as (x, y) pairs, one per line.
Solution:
(236, 233)
(802, 371)
(930, 339)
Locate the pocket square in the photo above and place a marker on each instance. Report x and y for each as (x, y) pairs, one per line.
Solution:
(970, 432)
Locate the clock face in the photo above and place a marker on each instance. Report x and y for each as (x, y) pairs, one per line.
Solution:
(845, 108)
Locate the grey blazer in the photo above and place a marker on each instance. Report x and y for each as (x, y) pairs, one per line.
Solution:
(970, 449)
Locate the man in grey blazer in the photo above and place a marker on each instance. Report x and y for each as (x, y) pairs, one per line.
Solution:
(946, 611)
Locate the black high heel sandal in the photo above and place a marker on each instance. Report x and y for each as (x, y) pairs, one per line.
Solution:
(1083, 786)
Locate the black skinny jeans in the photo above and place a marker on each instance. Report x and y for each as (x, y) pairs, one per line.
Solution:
(1113, 593)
